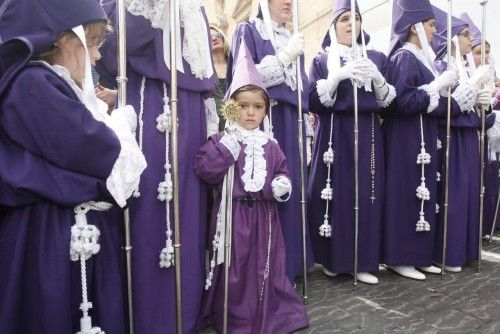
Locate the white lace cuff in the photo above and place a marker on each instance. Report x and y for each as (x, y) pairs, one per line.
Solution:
(323, 88)
(493, 134)
(281, 186)
(212, 117)
(271, 71)
(126, 172)
(385, 96)
(433, 97)
(231, 143)
(465, 96)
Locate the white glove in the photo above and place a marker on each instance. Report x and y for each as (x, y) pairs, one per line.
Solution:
(292, 50)
(483, 98)
(230, 141)
(281, 186)
(444, 80)
(351, 70)
(481, 76)
(371, 70)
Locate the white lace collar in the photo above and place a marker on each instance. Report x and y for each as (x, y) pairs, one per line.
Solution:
(261, 28)
(420, 55)
(255, 168)
(63, 72)
(345, 51)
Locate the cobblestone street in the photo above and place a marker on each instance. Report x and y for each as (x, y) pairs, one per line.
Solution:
(466, 302)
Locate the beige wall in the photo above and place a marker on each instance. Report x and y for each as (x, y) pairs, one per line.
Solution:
(314, 19)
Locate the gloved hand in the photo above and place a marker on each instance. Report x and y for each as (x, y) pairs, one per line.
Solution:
(292, 50)
(230, 141)
(483, 98)
(126, 114)
(445, 79)
(481, 76)
(371, 70)
(351, 70)
(281, 186)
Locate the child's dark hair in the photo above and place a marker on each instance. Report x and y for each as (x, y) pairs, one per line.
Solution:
(253, 88)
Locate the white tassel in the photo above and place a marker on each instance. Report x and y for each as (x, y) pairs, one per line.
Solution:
(327, 193)
(84, 243)
(325, 230)
(328, 156)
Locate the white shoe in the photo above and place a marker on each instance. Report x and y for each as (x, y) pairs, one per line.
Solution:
(430, 269)
(453, 269)
(367, 278)
(409, 272)
(328, 272)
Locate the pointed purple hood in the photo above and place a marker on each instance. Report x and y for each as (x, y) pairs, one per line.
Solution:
(406, 13)
(30, 27)
(439, 42)
(244, 72)
(340, 7)
(476, 33)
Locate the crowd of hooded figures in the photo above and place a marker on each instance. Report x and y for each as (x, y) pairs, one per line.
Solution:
(71, 162)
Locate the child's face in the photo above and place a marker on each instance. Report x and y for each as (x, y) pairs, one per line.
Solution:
(253, 109)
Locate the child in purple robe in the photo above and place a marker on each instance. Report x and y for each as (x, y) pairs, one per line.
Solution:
(275, 51)
(261, 298)
(63, 162)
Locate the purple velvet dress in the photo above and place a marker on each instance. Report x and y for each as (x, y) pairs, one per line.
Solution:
(53, 156)
(336, 253)
(261, 298)
(284, 122)
(154, 287)
(402, 244)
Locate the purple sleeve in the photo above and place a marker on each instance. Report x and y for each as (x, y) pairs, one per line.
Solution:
(212, 161)
(403, 74)
(316, 73)
(54, 124)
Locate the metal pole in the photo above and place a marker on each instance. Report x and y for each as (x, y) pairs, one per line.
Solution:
(122, 101)
(356, 148)
(174, 25)
(227, 242)
(300, 125)
(447, 152)
(483, 126)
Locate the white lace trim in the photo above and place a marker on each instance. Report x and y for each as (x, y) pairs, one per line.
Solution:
(465, 96)
(153, 10)
(231, 143)
(196, 49)
(389, 97)
(271, 71)
(493, 134)
(281, 37)
(212, 117)
(433, 97)
(255, 168)
(125, 175)
(323, 89)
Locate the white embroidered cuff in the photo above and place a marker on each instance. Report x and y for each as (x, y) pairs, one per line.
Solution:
(271, 71)
(384, 95)
(465, 96)
(212, 117)
(323, 87)
(231, 143)
(127, 170)
(281, 186)
(433, 97)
